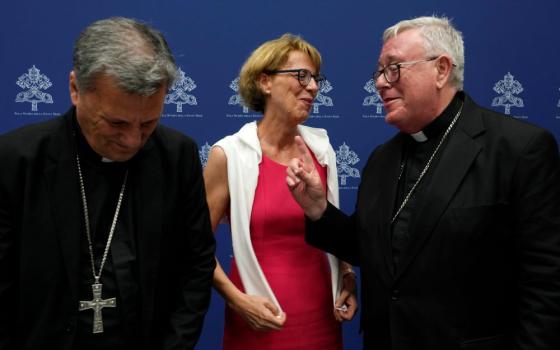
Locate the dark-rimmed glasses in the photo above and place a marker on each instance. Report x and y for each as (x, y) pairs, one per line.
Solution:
(303, 76)
(392, 72)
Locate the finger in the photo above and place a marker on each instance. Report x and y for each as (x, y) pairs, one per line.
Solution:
(272, 308)
(337, 315)
(304, 154)
(346, 316)
(344, 294)
(349, 314)
(292, 179)
(294, 164)
(352, 307)
(281, 319)
(275, 322)
(291, 182)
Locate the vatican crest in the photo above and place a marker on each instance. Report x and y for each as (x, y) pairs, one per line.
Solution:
(345, 159)
(34, 82)
(374, 99)
(321, 99)
(179, 92)
(203, 152)
(508, 87)
(236, 99)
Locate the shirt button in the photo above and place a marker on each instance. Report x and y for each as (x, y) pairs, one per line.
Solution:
(395, 295)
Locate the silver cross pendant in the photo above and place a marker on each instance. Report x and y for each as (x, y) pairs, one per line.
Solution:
(97, 304)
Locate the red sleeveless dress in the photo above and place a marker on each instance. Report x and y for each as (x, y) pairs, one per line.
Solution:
(298, 273)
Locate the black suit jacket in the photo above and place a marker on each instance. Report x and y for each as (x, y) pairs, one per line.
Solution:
(41, 225)
(482, 270)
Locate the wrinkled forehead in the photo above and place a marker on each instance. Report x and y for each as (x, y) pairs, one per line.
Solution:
(407, 45)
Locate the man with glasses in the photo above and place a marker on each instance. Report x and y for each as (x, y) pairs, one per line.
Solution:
(457, 222)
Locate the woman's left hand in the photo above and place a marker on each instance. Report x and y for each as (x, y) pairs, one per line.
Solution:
(346, 304)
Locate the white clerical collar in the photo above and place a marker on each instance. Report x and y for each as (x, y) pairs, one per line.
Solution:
(106, 160)
(419, 136)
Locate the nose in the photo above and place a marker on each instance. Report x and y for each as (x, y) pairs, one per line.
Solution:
(132, 138)
(312, 86)
(381, 82)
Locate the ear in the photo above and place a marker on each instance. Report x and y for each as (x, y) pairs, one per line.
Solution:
(73, 84)
(444, 66)
(265, 82)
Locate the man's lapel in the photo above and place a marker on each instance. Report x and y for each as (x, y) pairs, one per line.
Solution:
(456, 158)
(147, 181)
(61, 179)
(390, 158)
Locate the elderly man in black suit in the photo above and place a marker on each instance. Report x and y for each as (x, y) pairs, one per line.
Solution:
(457, 221)
(105, 239)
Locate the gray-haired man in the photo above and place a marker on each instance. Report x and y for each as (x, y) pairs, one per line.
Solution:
(105, 241)
(457, 223)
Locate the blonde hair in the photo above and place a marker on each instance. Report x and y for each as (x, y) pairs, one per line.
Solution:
(270, 56)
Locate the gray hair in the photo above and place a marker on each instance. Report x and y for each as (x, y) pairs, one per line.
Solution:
(134, 54)
(440, 37)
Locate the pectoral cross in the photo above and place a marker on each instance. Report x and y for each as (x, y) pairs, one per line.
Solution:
(97, 304)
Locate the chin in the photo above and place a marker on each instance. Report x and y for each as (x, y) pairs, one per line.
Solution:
(302, 118)
(394, 117)
(119, 156)
(390, 119)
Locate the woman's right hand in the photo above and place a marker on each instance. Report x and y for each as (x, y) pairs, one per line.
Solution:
(259, 312)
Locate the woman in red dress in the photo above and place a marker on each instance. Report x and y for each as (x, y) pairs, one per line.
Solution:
(281, 293)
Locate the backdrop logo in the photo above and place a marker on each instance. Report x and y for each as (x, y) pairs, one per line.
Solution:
(179, 96)
(508, 87)
(203, 152)
(237, 100)
(373, 100)
(34, 82)
(322, 100)
(179, 92)
(345, 159)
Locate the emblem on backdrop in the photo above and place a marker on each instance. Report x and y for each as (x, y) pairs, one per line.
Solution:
(203, 153)
(345, 160)
(236, 100)
(179, 95)
(374, 99)
(321, 99)
(179, 92)
(33, 82)
(508, 88)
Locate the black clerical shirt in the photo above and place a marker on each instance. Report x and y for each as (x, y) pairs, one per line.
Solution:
(103, 181)
(415, 157)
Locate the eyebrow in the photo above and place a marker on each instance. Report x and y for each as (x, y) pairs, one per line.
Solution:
(390, 58)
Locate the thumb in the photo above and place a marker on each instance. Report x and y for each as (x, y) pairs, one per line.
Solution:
(273, 308)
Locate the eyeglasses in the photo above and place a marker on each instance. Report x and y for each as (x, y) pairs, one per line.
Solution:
(392, 72)
(303, 76)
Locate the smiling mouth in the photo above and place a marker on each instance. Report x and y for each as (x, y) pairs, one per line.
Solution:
(389, 100)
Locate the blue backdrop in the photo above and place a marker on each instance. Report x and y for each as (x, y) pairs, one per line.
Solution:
(512, 65)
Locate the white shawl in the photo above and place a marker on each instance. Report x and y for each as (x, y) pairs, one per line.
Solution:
(244, 154)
